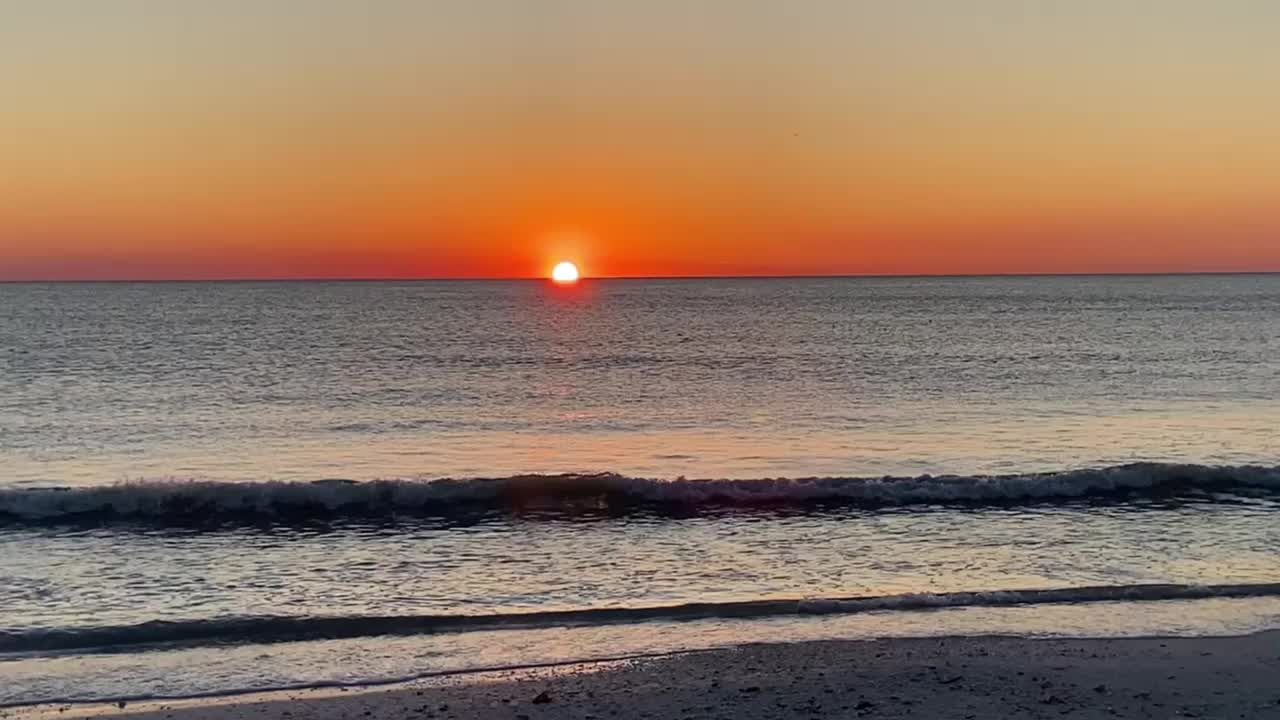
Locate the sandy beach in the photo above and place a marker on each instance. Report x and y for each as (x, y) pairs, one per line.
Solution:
(962, 678)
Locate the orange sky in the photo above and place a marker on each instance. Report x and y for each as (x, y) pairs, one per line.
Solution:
(492, 138)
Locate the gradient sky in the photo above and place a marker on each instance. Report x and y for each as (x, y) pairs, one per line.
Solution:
(192, 139)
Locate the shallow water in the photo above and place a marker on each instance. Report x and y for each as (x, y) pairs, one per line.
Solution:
(188, 672)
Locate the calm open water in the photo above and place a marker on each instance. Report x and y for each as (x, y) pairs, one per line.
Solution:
(216, 486)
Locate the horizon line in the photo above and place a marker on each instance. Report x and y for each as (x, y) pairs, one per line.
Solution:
(589, 278)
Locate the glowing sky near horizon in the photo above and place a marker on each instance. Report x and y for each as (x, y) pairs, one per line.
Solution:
(463, 138)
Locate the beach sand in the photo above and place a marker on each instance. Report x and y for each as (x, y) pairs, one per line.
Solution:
(962, 678)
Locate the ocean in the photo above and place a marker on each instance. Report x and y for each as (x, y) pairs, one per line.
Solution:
(221, 487)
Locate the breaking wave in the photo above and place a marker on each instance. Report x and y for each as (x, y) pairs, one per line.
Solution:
(273, 629)
(173, 501)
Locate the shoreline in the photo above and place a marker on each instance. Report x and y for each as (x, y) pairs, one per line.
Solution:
(962, 676)
(71, 708)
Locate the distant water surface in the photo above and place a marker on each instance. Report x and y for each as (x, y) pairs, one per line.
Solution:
(705, 378)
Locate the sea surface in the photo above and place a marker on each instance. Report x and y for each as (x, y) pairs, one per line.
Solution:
(218, 487)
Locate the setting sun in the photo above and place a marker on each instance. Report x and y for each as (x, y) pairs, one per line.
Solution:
(565, 272)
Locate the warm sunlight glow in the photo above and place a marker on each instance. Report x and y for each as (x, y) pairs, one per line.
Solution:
(565, 272)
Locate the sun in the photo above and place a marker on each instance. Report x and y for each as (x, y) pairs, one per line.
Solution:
(565, 273)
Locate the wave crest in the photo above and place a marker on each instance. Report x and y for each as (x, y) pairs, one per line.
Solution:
(272, 629)
(192, 501)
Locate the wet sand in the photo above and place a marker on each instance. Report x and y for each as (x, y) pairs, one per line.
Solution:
(962, 678)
